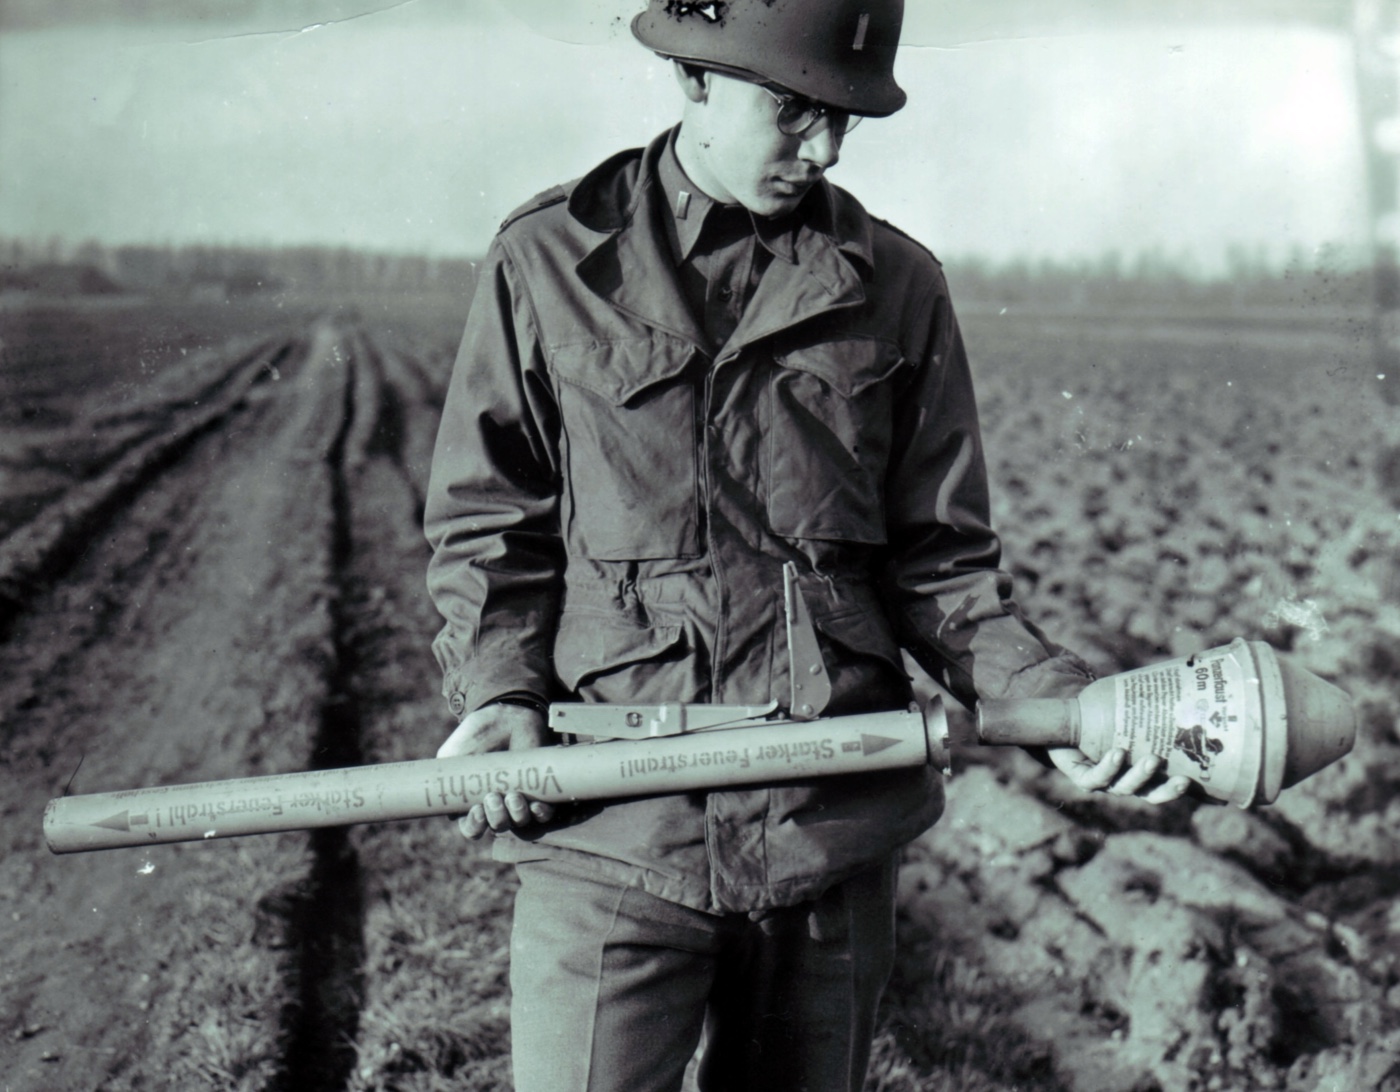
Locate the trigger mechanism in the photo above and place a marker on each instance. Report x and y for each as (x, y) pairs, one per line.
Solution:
(809, 692)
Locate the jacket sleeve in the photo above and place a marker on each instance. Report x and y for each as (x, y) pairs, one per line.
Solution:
(952, 605)
(492, 508)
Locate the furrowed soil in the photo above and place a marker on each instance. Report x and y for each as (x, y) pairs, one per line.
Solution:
(211, 567)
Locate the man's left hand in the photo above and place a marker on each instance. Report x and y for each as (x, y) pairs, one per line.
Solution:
(1107, 775)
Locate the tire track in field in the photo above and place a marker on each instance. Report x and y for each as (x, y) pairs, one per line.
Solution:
(242, 596)
(34, 555)
(328, 926)
(193, 638)
(378, 613)
(437, 908)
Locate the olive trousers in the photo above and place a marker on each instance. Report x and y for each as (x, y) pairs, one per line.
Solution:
(613, 988)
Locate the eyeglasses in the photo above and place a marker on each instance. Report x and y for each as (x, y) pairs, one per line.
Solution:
(796, 115)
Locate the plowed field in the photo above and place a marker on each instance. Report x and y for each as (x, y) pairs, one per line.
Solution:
(211, 566)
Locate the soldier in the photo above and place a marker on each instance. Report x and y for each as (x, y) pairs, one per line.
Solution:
(697, 363)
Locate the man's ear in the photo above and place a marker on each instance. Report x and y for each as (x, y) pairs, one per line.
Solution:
(694, 81)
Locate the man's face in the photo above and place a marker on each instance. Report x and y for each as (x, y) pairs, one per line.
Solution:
(738, 156)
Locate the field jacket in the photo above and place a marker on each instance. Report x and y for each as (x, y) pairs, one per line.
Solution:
(612, 503)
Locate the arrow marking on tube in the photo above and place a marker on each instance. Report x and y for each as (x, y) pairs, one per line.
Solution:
(871, 745)
(123, 821)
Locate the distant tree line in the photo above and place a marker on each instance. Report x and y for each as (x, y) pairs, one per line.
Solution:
(92, 267)
(1306, 281)
(1311, 281)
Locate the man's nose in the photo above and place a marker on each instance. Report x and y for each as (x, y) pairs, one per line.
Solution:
(821, 148)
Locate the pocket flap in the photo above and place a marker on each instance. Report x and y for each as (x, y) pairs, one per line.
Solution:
(848, 365)
(599, 643)
(618, 370)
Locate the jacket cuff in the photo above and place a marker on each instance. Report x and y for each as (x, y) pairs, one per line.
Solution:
(466, 695)
(1062, 676)
(524, 700)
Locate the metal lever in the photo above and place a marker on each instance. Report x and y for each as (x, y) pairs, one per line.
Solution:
(811, 686)
(615, 721)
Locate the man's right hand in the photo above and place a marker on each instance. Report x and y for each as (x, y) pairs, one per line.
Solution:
(499, 727)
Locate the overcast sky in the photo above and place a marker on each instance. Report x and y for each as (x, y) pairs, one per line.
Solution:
(417, 127)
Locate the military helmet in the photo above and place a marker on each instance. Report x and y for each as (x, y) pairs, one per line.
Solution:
(837, 52)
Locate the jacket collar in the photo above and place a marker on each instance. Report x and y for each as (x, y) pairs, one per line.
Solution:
(689, 208)
(630, 265)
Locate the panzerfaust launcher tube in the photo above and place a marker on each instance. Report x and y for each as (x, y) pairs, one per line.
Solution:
(766, 752)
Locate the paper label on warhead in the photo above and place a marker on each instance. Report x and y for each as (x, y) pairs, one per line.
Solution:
(1191, 713)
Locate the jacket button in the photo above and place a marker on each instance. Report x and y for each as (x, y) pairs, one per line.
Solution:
(457, 703)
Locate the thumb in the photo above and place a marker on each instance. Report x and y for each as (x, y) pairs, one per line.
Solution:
(482, 731)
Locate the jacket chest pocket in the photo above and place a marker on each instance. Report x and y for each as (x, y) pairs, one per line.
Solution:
(627, 413)
(828, 443)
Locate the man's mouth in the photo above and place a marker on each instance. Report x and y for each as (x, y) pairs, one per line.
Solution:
(793, 186)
